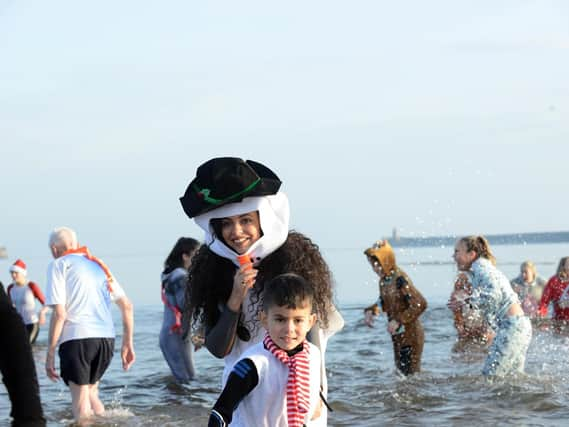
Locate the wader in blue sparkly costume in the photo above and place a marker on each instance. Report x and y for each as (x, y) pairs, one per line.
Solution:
(493, 295)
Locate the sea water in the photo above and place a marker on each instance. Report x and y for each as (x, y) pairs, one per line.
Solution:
(364, 388)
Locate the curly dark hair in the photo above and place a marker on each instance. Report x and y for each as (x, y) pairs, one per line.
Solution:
(211, 280)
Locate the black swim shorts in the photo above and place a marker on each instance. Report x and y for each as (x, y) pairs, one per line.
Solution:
(84, 361)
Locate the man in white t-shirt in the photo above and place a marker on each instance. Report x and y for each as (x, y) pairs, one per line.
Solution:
(80, 289)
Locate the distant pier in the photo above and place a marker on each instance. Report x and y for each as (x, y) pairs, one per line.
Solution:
(493, 239)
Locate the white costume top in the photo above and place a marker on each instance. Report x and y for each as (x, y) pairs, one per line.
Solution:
(239, 349)
(265, 406)
(274, 216)
(81, 286)
(25, 303)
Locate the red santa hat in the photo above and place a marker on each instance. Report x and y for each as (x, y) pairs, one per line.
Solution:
(19, 266)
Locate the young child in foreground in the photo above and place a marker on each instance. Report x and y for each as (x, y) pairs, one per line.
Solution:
(277, 381)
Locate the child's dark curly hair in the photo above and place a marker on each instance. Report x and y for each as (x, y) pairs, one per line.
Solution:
(211, 280)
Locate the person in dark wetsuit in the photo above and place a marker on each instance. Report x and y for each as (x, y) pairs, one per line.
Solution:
(403, 304)
(18, 367)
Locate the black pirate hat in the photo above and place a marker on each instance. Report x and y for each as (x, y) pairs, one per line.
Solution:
(226, 180)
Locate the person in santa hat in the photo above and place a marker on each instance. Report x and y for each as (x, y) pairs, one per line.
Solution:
(23, 295)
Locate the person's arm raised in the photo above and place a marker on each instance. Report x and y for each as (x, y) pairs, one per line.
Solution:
(220, 337)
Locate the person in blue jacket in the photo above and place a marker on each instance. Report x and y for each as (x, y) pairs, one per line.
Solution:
(177, 349)
(493, 295)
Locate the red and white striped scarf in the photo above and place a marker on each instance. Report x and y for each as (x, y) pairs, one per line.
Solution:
(298, 383)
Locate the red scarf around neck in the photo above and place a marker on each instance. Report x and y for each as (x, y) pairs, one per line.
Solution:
(85, 252)
(298, 383)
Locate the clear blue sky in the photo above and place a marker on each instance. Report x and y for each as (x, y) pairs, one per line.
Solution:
(436, 117)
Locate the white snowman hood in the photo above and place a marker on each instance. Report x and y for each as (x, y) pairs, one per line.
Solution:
(274, 215)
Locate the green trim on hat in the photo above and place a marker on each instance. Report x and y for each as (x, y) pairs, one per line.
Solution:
(205, 192)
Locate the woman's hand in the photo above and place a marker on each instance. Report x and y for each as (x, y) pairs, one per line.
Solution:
(457, 300)
(198, 341)
(243, 280)
(393, 326)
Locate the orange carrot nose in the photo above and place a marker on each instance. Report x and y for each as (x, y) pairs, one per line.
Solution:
(244, 259)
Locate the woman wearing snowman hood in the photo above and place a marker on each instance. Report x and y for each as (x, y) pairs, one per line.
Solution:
(247, 243)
